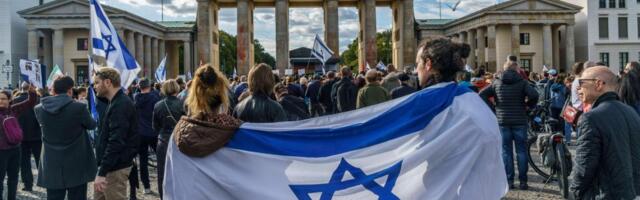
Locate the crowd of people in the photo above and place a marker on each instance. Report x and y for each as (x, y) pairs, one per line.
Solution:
(201, 115)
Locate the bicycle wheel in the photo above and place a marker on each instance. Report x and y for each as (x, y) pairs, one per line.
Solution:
(563, 172)
(535, 161)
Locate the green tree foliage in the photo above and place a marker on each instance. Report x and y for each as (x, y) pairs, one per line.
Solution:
(383, 41)
(228, 49)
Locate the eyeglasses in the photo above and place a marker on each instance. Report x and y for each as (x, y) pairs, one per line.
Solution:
(581, 81)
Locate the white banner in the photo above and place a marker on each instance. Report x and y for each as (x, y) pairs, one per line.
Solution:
(31, 71)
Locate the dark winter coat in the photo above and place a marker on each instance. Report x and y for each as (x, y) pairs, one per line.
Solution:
(259, 108)
(313, 91)
(402, 91)
(28, 122)
(344, 95)
(294, 107)
(117, 135)
(512, 96)
(145, 103)
(325, 95)
(166, 115)
(607, 160)
(67, 158)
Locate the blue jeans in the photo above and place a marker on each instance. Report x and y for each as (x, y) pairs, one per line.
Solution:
(517, 134)
(567, 132)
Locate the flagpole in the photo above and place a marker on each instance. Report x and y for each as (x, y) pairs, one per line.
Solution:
(309, 59)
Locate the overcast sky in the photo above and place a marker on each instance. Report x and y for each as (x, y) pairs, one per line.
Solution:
(304, 23)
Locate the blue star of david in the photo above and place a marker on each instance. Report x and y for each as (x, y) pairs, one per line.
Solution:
(110, 46)
(359, 178)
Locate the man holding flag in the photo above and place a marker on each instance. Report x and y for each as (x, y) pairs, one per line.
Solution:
(439, 143)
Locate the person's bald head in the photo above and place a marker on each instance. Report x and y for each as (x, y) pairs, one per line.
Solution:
(603, 74)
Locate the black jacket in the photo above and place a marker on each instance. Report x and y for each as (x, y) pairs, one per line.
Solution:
(144, 105)
(607, 161)
(67, 157)
(512, 95)
(313, 91)
(28, 122)
(117, 135)
(166, 114)
(401, 91)
(259, 108)
(324, 96)
(294, 107)
(344, 95)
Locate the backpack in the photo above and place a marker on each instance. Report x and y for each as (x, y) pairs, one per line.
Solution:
(12, 130)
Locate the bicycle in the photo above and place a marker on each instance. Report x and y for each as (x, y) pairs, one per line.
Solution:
(551, 150)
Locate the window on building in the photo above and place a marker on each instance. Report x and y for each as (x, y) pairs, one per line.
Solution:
(624, 59)
(603, 3)
(486, 41)
(524, 39)
(525, 64)
(603, 26)
(622, 28)
(612, 3)
(622, 4)
(83, 44)
(604, 58)
(82, 75)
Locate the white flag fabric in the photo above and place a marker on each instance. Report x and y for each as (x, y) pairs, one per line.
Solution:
(161, 71)
(55, 73)
(320, 50)
(442, 142)
(107, 44)
(31, 71)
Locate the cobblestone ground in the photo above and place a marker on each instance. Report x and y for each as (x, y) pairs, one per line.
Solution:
(538, 189)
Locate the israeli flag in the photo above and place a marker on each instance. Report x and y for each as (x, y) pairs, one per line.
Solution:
(91, 94)
(442, 142)
(107, 44)
(161, 71)
(320, 50)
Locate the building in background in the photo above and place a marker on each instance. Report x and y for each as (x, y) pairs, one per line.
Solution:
(57, 33)
(609, 31)
(539, 32)
(13, 41)
(301, 58)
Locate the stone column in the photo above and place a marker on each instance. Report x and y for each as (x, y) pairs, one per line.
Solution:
(515, 40)
(570, 54)
(58, 45)
(547, 49)
(368, 53)
(491, 48)
(245, 37)
(282, 35)
(481, 47)
(187, 57)
(471, 40)
(147, 56)
(402, 35)
(140, 52)
(331, 34)
(154, 55)
(555, 45)
(172, 59)
(463, 37)
(32, 38)
(131, 43)
(204, 34)
(161, 49)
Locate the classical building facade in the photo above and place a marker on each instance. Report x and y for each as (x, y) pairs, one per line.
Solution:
(610, 30)
(539, 32)
(58, 34)
(404, 42)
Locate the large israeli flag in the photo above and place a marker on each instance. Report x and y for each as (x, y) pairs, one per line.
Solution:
(107, 44)
(320, 50)
(440, 143)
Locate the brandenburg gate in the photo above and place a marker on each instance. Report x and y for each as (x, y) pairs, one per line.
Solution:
(403, 30)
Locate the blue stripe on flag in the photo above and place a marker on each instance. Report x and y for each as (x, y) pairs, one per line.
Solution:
(97, 43)
(407, 117)
(129, 60)
(99, 12)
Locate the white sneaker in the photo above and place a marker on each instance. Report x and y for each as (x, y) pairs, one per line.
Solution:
(148, 191)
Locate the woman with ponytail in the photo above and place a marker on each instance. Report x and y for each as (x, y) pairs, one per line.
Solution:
(207, 127)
